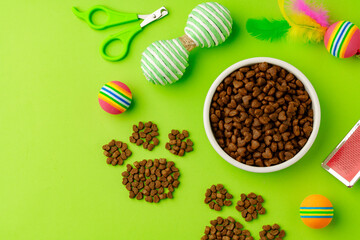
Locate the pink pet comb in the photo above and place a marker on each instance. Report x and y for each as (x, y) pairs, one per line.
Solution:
(344, 162)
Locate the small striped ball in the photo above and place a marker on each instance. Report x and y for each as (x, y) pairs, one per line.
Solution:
(209, 24)
(342, 39)
(316, 211)
(164, 61)
(115, 97)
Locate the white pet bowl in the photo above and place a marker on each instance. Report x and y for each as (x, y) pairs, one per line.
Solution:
(315, 106)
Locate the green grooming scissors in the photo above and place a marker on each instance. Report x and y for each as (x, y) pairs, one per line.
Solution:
(116, 18)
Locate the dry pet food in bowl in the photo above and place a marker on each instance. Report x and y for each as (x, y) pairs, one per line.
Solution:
(261, 114)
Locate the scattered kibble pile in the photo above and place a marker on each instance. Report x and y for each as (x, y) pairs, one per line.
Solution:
(217, 197)
(272, 232)
(153, 180)
(226, 229)
(179, 143)
(250, 206)
(116, 152)
(261, 115)
(145, 134)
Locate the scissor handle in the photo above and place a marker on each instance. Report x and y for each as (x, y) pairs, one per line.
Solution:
(124, 37)
(114, 18)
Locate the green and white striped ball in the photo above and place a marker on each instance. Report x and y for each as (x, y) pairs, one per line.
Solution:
(164, 61)
(209, 24)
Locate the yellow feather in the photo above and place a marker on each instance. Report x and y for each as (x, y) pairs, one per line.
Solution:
(302, 26)
(282, 10)
(306, 28)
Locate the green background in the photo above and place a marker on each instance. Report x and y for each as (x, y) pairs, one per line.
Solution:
(54, 182)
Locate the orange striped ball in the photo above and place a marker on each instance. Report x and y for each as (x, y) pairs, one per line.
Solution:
(316, 211)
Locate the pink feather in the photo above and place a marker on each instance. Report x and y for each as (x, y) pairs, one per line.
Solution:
(318, 13)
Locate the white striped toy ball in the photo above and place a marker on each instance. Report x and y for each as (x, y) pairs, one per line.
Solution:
(209, 24)
(164, 61)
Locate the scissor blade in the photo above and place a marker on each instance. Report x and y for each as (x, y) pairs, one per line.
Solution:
(161, 12)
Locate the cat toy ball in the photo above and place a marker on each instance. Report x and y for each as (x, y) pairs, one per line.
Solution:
(311, 23)
(164, 62)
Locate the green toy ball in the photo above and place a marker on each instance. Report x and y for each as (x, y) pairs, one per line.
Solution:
(164, 62)
(209, 24)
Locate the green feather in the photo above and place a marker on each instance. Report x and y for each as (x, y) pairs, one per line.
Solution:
(265, 29)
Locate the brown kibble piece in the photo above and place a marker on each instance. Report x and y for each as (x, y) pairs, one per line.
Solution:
(270, 236)
(148, 124)
(139, 196)
(189, 142)
(167, 146)
(155, 141)
(114, 162)
(251, 209)
(275, 226)
(148, 138)
(128, 153)
(112, 143)
(148, 199)
(267, 227)
(217, 207)
(263, 66)
(181, 152)
(188, 149)
(147, 130)
(151, 147)
(139, 142)
(135, 128)
(248, 218)
(262, 211)
(169, 195)
(251, 195)
(135, 135)
(156, 199)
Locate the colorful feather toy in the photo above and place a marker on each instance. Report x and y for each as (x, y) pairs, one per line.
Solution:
(309, 22)
(301, 23)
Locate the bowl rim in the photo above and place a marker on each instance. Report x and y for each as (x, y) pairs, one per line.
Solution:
(308, 87)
